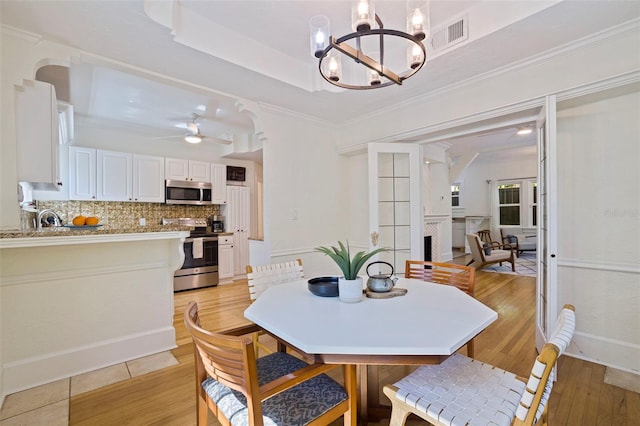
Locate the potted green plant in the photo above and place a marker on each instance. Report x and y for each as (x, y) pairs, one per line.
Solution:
(350, 284)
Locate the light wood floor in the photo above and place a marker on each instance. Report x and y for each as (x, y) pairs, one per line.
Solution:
(167, 397)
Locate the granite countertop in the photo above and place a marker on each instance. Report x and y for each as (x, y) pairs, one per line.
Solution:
(64, 231)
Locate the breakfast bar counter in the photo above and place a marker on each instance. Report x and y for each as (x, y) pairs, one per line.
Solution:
(76, 300)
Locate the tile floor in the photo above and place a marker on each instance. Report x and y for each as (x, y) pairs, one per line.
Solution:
(49, 404)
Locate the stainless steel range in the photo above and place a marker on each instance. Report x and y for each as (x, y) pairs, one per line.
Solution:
(200, 267)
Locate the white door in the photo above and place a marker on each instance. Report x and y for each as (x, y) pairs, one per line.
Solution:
(395, 202)
(238, 216)
(148, 179)
(547, 215)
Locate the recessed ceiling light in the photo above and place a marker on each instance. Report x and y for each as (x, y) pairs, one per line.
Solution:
(525, 131)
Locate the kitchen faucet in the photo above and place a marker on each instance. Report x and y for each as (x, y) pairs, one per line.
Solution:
(45, 214)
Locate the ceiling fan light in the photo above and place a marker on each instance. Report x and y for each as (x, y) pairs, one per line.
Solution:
(193, 138)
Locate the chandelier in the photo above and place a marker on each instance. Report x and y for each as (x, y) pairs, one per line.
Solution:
(366, 46)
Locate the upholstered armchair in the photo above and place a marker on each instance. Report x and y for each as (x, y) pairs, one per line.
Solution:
(520, 241)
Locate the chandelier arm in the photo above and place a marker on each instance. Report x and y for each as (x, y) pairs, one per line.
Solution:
(381, 48)
(361, 57)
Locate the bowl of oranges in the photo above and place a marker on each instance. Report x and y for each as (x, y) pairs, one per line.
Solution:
(81, 221)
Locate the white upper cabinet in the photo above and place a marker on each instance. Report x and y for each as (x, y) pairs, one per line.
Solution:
(82, 173)
(37, 134)
(219, 183)
(148, 179)
(178, 169)
(100, 175)
(114, 176)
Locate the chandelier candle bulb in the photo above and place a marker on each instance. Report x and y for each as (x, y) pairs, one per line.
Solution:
(335, 68)
(362, 12)
(373, 76)
(320, 30)
(418, 18)
(415, 57)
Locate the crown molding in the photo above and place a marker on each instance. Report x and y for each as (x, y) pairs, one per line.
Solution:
(29, 37)
(566, 49)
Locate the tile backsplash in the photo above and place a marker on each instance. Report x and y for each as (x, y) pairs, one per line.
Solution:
(118, 214)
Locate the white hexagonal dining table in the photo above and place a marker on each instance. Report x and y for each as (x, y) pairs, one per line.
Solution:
(424, 326)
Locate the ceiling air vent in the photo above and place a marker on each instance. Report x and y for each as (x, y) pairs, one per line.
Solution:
(447, 35)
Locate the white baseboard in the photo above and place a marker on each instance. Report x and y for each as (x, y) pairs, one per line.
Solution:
(611, 353)
(30, 372)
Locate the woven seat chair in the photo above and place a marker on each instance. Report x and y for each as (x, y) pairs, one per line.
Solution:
(277, 389)
(261, 277)
(463, 391)
(460, 276)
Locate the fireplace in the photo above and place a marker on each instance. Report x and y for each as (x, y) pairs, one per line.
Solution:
(427, 248)
(433, 231)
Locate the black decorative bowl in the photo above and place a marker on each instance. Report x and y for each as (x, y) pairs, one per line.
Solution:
(324, 286)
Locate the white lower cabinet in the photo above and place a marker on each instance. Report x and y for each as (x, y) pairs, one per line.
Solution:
(238, 219)
(225, 259)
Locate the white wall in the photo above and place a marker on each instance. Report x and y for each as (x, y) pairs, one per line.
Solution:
(306, 184)
(476, 197)
(611, 318)
(599, 225)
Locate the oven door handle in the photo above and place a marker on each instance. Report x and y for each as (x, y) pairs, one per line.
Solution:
(204, 239)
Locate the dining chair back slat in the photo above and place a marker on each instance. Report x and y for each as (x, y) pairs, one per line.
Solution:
(460, 276)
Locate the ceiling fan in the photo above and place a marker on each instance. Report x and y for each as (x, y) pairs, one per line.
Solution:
(193, 134)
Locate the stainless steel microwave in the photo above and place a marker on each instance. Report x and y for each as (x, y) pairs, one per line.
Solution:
(187, 192)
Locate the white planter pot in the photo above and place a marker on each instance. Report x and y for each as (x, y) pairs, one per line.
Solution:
(350, 291)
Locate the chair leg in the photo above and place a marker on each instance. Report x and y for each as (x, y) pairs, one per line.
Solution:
(203, 411)
(399, 412)
(470, 262)
(351, 386)
(470, 349)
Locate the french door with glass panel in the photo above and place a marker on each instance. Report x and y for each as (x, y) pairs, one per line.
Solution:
(395, 202)
(546, 280)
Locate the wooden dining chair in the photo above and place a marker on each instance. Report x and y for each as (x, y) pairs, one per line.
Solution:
(277, 389)
(485, 235)
(261, 277)
(493, 252)
(464, 391)
(460, 276)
